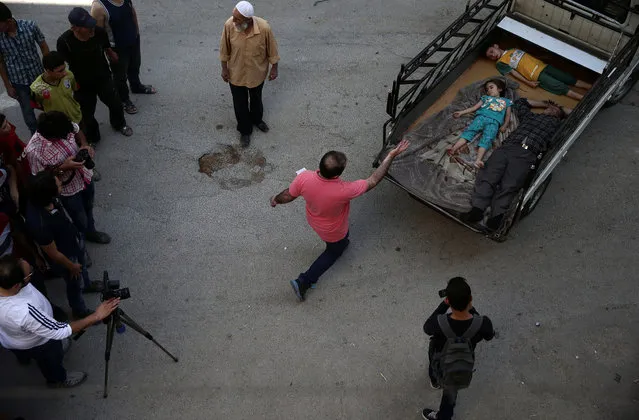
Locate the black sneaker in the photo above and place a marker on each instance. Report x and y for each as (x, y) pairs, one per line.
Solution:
(429, 414)
(262, 126)
(245, 140)
(97, 237)
(299, 289)
(73, 379)
(473, 216)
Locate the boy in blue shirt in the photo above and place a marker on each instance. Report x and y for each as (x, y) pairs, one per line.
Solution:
(493, 115)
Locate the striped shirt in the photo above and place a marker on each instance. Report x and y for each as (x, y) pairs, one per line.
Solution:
(45, 154)
(20, 52)
(26, 320)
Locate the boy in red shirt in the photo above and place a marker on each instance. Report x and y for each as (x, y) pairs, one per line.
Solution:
(327, 206)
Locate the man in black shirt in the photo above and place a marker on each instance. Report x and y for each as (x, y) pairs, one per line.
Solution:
(52, 229)
(83, 47)
(506, 170)
(460, 301)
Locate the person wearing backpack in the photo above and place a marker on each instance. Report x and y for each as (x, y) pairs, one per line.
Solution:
(453, 337)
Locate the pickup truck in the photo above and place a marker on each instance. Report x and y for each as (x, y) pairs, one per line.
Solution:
(596, 39)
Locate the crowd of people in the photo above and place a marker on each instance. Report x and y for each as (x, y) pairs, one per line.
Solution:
(47, 185)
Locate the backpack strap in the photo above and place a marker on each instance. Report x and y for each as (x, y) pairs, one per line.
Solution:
(442, 320)
(474, 327)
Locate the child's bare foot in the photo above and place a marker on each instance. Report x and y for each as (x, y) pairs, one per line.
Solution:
(479, 164)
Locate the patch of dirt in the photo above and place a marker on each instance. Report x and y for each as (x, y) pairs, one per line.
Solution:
(234, 167)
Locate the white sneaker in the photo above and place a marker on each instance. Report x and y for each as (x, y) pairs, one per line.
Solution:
(73, 379)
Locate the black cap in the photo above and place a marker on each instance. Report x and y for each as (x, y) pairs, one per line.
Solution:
(80, 17)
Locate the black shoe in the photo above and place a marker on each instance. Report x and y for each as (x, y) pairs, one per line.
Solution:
(95, 286)
(245, 140)
(495, 222)
(262, 126)
(429, 414)
(299, 289)
(98, 237)
(434, 384)
(473, 216)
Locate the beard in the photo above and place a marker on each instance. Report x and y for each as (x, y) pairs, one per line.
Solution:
(241, 27)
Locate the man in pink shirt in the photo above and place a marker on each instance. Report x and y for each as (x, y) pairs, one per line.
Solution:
(327, 206)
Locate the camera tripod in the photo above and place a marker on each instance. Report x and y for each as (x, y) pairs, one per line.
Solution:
(115, 321)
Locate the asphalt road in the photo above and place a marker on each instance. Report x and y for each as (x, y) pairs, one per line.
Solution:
(208, 261)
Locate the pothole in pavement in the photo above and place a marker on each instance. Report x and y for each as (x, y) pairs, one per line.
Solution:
(234, 167)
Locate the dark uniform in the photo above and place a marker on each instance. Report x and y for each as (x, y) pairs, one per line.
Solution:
(508, 167)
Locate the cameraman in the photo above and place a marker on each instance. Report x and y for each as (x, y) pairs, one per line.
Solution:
(27, 326)
(460, 301)
(53, 147)
(60, 240)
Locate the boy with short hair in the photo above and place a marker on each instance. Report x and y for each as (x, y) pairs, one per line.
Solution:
(461, 319)
(534, 72)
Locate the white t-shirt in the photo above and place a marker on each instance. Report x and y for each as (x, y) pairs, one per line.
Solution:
(26, 320)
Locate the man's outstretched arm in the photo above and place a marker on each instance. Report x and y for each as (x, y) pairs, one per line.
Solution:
(381, 171)
(282, 198)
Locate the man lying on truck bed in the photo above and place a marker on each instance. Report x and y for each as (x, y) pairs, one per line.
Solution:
(507, 169)
(534, 72)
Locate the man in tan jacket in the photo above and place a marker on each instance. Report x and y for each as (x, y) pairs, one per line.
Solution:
(246, 49)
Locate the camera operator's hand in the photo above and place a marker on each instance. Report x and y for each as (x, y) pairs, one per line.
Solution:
(106, 308)
(75, 270)
(90, 149)
(69, 164)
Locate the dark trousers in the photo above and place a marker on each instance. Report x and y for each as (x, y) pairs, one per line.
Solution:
(80, 208)
(333, 251)
(87, 96)
(49, 357)
(247, 103)
(449, 395)
(504, 173)
(24, 99)
(128, 68)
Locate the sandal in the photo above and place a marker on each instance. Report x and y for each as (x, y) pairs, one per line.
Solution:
(126, 130)
(145, 89)
(129, 108)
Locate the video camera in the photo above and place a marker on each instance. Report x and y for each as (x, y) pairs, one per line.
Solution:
(112, 289)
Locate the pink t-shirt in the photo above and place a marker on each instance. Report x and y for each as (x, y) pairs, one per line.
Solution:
(327, 202)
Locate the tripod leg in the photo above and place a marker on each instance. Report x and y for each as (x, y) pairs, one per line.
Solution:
(125, 319)
(107, 352)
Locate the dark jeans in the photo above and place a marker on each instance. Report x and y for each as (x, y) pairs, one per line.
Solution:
(128, 67)
(449, 395)
(49, 358)
(326, 259)
(80, 208)
(247, 103)
(24, 98)
(87, 96)
(504, 173)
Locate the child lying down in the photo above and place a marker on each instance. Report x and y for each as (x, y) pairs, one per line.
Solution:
(493, 115)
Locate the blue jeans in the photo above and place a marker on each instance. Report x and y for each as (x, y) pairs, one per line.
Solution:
(80, 208)
(333, 251)
(49, 358)
(24, 98)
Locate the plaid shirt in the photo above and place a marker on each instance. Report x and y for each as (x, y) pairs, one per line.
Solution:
(534, 130)
(20, 52)
(44, 154)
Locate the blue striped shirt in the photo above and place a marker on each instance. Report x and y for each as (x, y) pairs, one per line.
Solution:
(20, 52)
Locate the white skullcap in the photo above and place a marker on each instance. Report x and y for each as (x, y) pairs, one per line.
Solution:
(245, 8)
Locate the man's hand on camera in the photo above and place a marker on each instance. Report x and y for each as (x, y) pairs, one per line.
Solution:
(90, 149)
(70, 164)
(105, 308)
